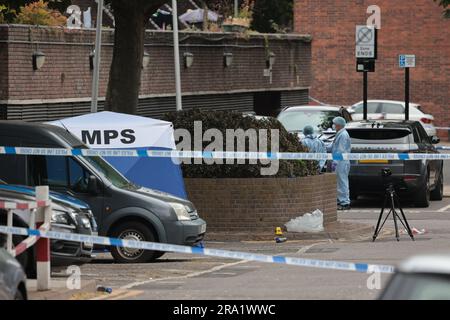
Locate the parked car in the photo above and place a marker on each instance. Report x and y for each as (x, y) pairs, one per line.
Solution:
(294, 119)
(122, 209)
(420, 278)
(13, 282)
(393, 110)
(417, 179)
(69, 215)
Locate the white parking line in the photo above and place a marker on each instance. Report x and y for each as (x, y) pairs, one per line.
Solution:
(405, 210)
(444, 209)
(191, 275)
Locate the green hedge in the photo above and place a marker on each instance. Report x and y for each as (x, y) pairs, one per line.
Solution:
(223, 120)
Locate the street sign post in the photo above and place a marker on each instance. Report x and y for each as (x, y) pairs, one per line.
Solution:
(366, 54)
(407, 61)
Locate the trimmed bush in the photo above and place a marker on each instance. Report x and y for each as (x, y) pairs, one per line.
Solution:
(223, 120)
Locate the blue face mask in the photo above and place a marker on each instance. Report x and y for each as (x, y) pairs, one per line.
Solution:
(334, 127)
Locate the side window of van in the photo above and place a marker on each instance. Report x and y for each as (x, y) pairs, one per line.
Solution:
(78, 177)
(56, 168)
(58, 172)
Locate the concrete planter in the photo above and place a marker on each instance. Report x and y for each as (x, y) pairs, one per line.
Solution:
(257, 206)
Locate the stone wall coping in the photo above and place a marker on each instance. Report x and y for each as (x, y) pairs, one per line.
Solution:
(205, 34)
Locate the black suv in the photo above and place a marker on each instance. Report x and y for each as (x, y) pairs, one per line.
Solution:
(421, 181)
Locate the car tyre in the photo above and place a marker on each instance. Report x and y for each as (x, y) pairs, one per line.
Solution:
(19, 296)
(424, 194)
(353, 196)
(159, 254)
(133, 230)
(438, 193)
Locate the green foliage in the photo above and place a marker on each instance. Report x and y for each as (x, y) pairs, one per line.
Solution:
(223, 120)
(6, 14)
(445, 4)
(272, 16)
(44, 12)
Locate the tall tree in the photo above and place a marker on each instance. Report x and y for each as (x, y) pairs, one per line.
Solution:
(61, 5)
(272, 16)
(446, 5)
(126, 67)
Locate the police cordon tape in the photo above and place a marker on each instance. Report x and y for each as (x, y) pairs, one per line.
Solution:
(312, 263)
(146, 153)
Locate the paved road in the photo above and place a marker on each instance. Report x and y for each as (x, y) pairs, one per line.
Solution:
(177, 276)
(194, 277)
(262, 281)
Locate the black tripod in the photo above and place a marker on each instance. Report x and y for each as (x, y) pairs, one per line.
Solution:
(391, 198)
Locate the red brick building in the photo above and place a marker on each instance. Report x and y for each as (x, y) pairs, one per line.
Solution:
(62, 87)
(410, 27)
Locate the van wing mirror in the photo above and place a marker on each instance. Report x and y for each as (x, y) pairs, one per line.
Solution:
(92, 184)
(435, 140)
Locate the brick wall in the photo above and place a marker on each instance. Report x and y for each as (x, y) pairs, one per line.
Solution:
(414, 28)
(66, 73)
(260, 205)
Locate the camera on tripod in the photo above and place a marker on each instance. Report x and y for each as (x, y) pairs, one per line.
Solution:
(386, 175)
(386, 172)
(392, 202)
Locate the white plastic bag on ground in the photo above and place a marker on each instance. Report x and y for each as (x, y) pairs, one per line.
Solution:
(309, 222)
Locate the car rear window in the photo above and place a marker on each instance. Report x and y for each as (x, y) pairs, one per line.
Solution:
(372, 107)
(393, 108)
(379, 134)
(298, 119)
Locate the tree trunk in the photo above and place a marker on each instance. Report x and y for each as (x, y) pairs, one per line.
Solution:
(126, 67)
(205, 16)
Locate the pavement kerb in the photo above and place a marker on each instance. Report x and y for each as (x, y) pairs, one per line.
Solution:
(335, 231)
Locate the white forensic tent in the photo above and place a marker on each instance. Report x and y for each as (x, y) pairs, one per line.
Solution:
(110, 130)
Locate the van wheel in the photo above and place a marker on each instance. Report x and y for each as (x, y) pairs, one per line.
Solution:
(438, 193)
(136, 231)
(423, 196)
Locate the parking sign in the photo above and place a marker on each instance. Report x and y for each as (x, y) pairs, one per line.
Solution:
(407, 61)
(366, 42)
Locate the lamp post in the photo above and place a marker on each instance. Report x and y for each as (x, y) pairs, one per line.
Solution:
(98, 42)
(176, 51)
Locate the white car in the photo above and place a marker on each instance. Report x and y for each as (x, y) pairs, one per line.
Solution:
(420, 278)
(393, 110)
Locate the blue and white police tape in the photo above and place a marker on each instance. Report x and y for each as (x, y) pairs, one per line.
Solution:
(322, 264)
(219, 154)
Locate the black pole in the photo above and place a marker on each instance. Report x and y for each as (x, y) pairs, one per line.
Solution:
(406, 93)
(365, 95)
